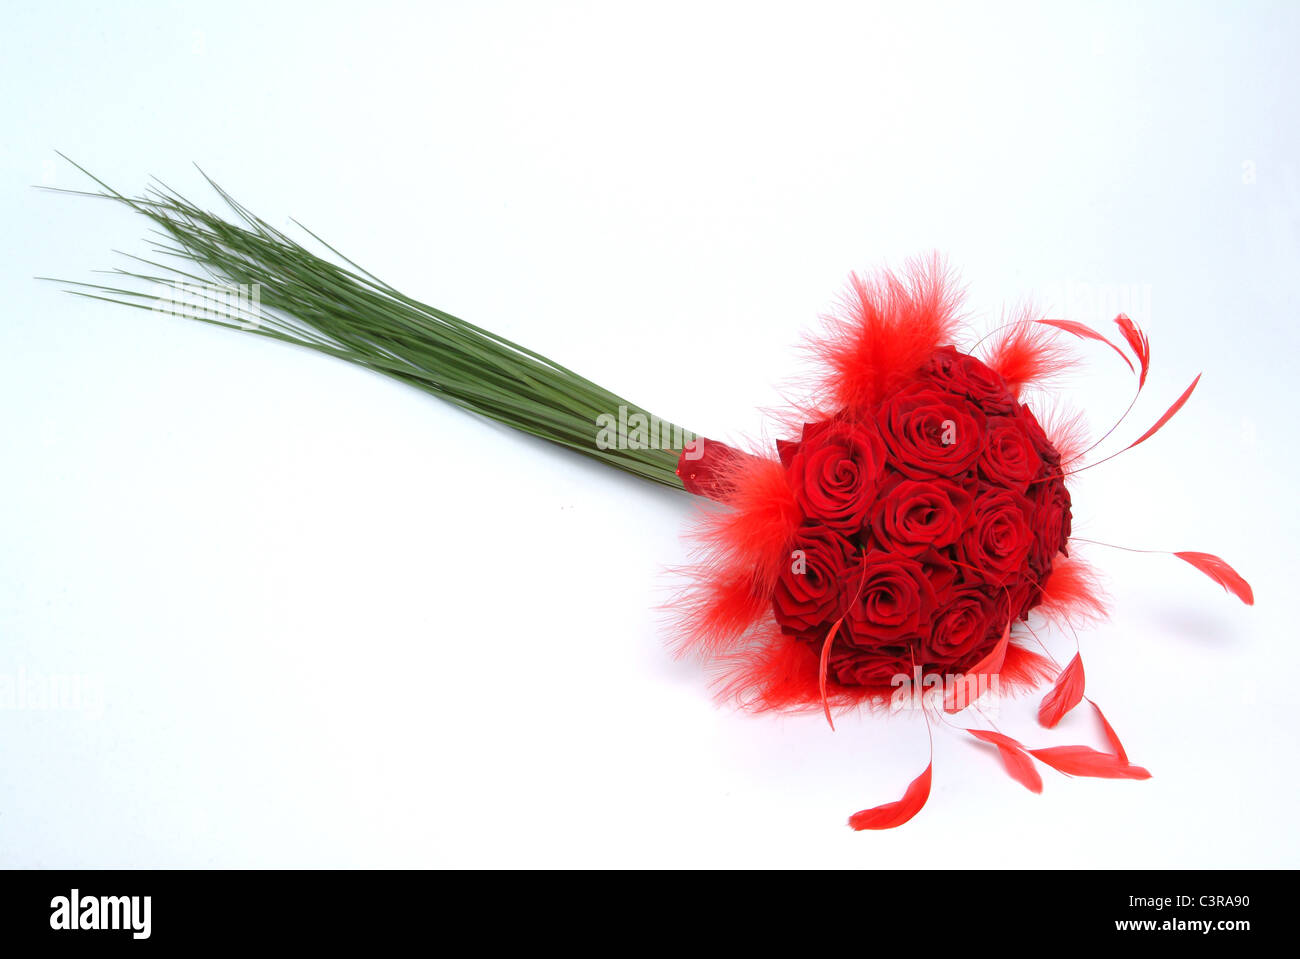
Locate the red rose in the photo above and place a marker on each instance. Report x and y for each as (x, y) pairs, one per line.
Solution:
(996, 546)
(928, 528)
(959, 373)
(1014, 600)
(1009, 457)
(1034, 430)
(912, 516)
(1052, 523)
(939, 571)
(809, 593)
(930, 432)
(854, 667)
(891, 600)
(835, 472)
(963, 626)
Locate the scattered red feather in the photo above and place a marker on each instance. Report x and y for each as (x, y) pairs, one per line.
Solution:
(1082, 761)
(1137, 341)
(1111, 736)
(1088, 333)
(896, 813)
(1015, 758)
(1065, 694)
(1169, 414)
(1223, 574)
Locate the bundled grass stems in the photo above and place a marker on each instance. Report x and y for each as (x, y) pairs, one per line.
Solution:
(342, 310)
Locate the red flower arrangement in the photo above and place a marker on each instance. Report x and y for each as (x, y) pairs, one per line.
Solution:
(902, 538)
(908, 531)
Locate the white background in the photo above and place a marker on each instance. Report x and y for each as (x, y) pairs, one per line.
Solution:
(323, 619)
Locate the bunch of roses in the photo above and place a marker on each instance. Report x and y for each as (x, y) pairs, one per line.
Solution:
(927, 528)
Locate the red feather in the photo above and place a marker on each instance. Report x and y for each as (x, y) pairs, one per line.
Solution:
(1087, 333)
(896, 813)
(1072, 593)
(738, 556)
(1111, 737)
(1137, 340)
(1221, 573)
(1022, 352)
(1169, 414)
(1065, 694)
(773, 674)
(966, 690)
(1015, 758)
(886, 327)
(1023, 669)
(821, 670)
(1082, 761)
(1066, 429)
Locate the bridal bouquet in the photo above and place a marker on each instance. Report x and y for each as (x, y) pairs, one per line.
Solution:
(901, 546)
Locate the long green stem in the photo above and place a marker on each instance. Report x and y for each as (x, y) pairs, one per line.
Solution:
(344, 311)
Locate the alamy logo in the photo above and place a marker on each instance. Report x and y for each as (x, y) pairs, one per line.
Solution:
(102, 912)
(640, 431)
(228, 303)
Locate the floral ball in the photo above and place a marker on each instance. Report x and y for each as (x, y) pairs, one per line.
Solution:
(928, 525)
